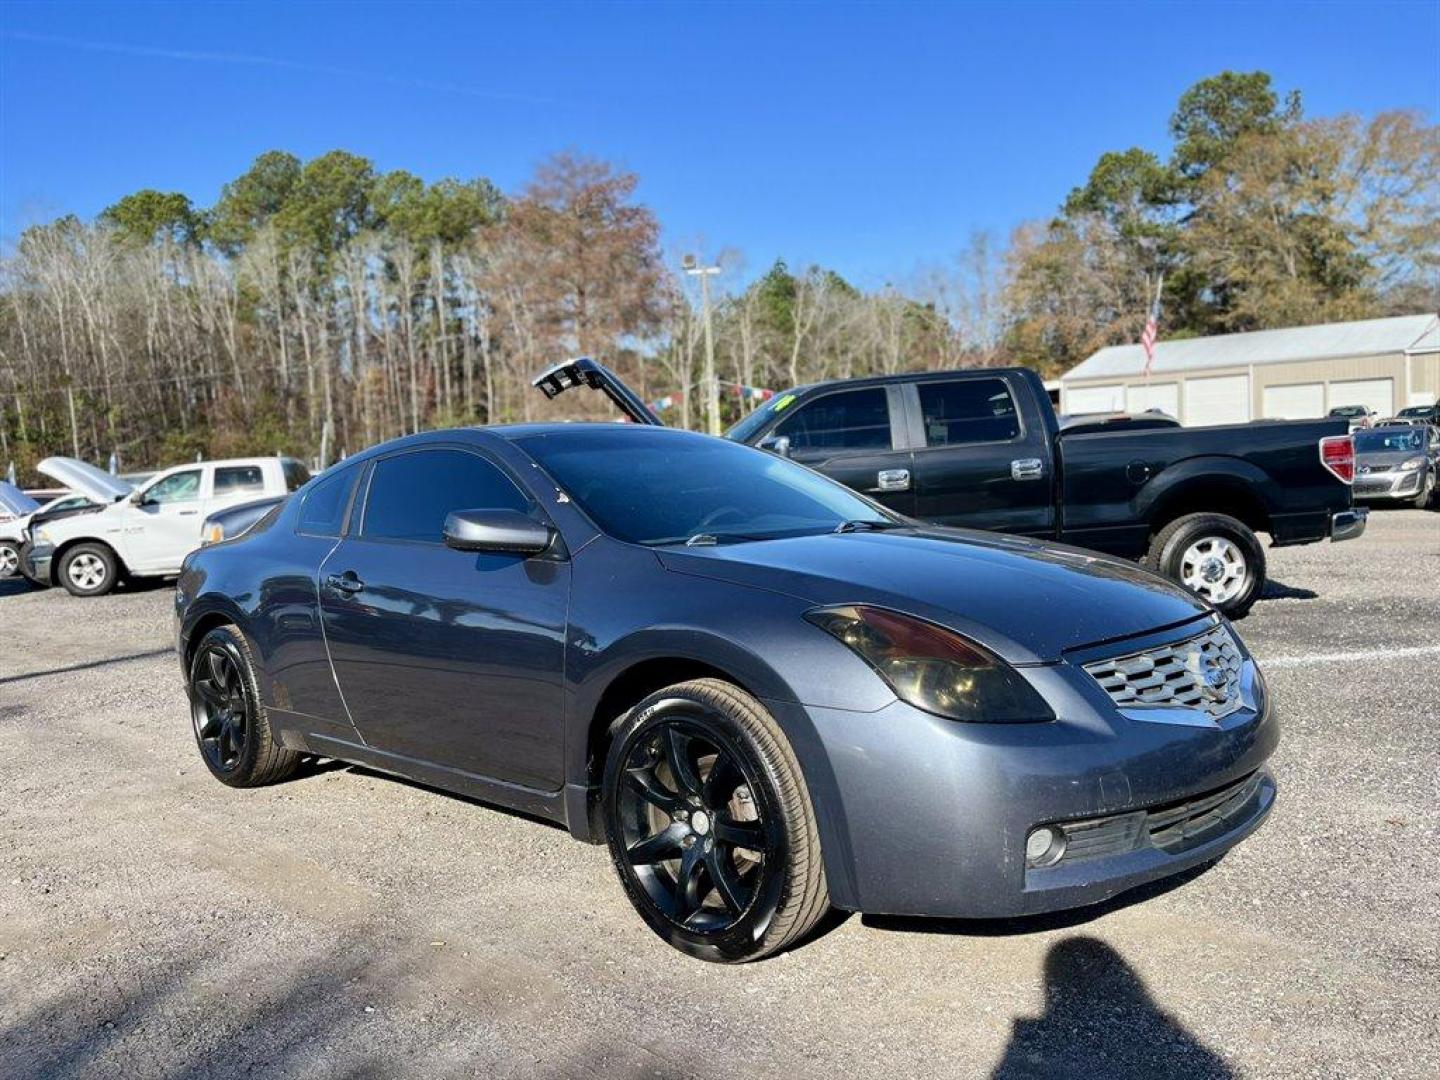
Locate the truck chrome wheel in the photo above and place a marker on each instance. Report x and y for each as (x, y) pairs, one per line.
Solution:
(693, 835)
(87, 572)
(1214, 568)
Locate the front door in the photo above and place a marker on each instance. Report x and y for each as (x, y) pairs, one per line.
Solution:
(849, 435)
(976, 463)
(164, 525)
(447, 657)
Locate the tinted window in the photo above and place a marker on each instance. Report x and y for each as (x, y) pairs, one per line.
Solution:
(230, 479)
(295, 474)
(324, 509)
(656, 486)
(856, 419)
(410, 494)
(969, 411)
(177, 487)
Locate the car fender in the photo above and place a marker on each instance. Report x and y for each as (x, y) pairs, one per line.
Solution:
(1213, 472)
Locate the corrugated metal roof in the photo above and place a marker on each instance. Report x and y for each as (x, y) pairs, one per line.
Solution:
(1368, 337)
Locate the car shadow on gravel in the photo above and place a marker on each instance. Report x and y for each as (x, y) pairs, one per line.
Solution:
(1100, 1020)
(1278, 590)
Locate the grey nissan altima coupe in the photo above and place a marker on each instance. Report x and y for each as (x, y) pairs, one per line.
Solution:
(767, 694)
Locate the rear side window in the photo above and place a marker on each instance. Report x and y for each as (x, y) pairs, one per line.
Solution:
(296, 475)
(324, 509)
(411, 494)
(968, 411)
(853, 420)
(230, 479)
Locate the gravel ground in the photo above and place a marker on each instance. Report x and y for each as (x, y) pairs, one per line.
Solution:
(346, 924)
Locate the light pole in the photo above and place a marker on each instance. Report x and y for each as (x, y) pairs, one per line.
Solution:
(712, 389)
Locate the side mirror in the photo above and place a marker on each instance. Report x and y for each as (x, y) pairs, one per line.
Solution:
(138, 498)
(500, 531)
(776, 444)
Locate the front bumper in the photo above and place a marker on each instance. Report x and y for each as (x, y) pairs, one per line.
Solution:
(926, 816)
(1389, 485)
(35, 562)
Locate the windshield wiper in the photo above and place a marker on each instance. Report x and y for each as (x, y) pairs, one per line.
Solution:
(864, 525)
(700, 539)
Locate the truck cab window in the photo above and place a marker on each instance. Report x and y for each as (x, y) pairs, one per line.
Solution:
(177, 487)
(968, 411)
(853, 420)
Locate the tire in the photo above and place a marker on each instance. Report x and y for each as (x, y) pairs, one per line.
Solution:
(1423, 499)
(693, 824)
(88, 570)
(232, 728)
(1185, 550)
(9, 559)
(25, 570)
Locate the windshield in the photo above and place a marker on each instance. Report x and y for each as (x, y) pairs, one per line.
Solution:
(1380, 439)
(1417, 410)
(660, 486)
(747, 427)
(1348, 410)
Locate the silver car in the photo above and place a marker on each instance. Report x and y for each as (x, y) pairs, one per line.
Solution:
(1398, 462)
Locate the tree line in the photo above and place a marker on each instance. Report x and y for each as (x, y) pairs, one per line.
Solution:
(319, 307)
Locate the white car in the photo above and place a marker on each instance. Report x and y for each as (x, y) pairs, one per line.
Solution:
(15, 510)
(146, 531)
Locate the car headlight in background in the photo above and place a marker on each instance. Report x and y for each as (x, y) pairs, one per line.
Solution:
(41, 536)
(1411, 464)
(933, 668)
(213, 534)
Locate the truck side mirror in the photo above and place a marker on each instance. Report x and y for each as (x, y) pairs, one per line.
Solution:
(776, 444)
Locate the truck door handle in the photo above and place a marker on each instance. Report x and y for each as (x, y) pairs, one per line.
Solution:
(345, 583)
(893, 479)
(188, 513)
(1030, 468)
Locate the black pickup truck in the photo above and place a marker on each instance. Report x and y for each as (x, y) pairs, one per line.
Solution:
(984, 449)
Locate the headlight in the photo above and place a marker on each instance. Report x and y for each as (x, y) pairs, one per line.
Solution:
(213, 534)
(41, 536)
(1411, 464)
(933, 668)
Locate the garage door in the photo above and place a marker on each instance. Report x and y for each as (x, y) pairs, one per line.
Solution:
(1300, 401)
(1219, 399)
(1162, 396)
(1091, 399)
(1377, 395)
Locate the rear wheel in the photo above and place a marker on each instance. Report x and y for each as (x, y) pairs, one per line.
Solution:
(710, 824)
(232, 728)
(88, 570)
(9, 559)
(1214, 556)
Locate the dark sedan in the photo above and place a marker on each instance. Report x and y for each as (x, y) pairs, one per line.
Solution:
(766, 693)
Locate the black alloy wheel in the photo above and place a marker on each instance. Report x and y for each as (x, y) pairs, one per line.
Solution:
(219, 707)
(710, 826)
(232, 727)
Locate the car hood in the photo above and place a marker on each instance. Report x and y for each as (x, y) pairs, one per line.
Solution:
(1026, 600)
(93, 483)
(1386, 457)
(16, 502)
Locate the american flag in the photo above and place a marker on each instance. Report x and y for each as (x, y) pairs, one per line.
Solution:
(1151, 334)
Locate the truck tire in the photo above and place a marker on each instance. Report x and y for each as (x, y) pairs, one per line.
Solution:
(1214, 556)
(9, 559)
(88, 570)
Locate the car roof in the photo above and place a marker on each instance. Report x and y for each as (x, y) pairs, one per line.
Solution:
(523, 431)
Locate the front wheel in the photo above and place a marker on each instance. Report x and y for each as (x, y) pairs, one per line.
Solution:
(1214, 556)
(88, 570)
(9, 559)
(1420, 502)
(710, 825)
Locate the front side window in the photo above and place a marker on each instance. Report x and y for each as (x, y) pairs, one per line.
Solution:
(411, 494)
(234, 479)
(658, 486)
(177, 487)
(968, 411)
(324, 511)
(853, 420)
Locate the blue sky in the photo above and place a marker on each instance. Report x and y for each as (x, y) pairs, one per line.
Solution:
(870, 138)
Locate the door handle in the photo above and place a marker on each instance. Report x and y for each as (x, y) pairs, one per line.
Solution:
(1030, 468)
(893, 479)
(188, 513)
(346, 582)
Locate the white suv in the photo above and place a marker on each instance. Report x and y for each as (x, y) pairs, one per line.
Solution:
(147, 531)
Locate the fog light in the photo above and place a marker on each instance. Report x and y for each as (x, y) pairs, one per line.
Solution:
(1044, 847)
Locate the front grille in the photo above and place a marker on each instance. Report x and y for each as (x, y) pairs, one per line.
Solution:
(1202, 672)
(1371, 470)
(1173, 827)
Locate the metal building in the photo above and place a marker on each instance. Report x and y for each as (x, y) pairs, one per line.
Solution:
(1291, 374)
